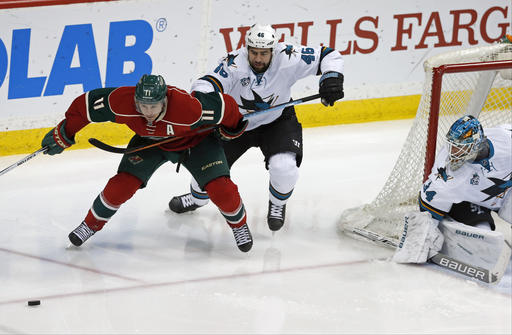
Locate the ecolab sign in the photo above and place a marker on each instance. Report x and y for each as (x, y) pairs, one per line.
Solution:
(78, 39)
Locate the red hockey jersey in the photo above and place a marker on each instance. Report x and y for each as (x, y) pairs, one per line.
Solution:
(186, 115)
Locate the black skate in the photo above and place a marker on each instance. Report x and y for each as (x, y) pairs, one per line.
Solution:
(183, 203)
(243, 237)
(80, 234)
(275, 216)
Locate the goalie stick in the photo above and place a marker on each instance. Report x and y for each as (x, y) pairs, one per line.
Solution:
(23, 160)
(442, 260)
(103, 146)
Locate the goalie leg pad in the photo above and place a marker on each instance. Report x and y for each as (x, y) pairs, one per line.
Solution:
(421, 239)
(472, 245)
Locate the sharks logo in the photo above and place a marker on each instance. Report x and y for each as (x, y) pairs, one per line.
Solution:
(289, 51)
(258, 103)
(499, 188)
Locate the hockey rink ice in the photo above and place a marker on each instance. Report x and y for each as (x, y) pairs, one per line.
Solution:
(150, 271)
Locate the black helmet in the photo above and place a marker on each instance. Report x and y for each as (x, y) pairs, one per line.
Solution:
(150, 89)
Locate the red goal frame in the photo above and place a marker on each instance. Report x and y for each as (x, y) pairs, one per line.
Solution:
(435, 103)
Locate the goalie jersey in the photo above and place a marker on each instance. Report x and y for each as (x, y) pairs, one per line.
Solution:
(482, 182)
(253, 92)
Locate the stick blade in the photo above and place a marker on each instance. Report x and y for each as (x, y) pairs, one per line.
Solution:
(103, 146)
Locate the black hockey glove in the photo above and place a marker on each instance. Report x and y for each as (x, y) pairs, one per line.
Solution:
(227, 134)
(331, 88)
(56, 140)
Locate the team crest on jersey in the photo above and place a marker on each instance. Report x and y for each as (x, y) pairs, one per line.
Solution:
(499, 188)
(258, 103)
(245, 81)
(135, 159)
(475, 180)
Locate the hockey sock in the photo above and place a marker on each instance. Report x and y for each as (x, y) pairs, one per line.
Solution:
(224, 194)
(118, 190)
(284, 174)
(199, 196)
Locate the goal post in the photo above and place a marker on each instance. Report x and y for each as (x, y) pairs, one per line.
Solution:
(475, 81)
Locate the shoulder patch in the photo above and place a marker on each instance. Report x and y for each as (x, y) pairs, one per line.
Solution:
(441, 173)
(289, 51)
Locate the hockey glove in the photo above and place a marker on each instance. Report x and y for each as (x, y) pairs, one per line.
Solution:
(331, 88)
(56, 140)
(228, 134)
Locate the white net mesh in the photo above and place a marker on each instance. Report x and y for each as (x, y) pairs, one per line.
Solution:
(485, 94)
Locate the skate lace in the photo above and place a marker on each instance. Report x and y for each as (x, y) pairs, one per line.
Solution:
(276, 211)
(187, 200)
(83, 231)
(242, 235)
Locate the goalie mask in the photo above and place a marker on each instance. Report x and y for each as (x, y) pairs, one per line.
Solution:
(151, 97)
(464, 140)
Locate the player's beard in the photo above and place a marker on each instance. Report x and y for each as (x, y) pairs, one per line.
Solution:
(260, 67)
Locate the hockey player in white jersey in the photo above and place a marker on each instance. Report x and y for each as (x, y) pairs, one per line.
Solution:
(466, 200)
(259, 76)
(471, 175)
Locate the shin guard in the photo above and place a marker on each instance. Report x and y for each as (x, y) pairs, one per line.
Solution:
(224, 194)
(118, 190)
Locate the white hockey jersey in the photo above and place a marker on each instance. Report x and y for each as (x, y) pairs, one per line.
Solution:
(253, 92)
(484, 182)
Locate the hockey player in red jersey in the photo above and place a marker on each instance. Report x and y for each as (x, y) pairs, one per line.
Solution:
(155, 111)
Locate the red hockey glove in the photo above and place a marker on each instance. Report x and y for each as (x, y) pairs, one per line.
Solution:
(56, 140)
(227, 134)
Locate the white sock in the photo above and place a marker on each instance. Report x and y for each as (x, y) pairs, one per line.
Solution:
(284, 174)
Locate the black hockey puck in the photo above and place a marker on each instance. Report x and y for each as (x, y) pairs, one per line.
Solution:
(34, 302)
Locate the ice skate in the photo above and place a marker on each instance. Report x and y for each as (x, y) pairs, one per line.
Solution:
(183, 203)
(275, 216)
(243, 237)
(80, 234)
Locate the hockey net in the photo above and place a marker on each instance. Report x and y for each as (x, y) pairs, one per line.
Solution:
(474, 81)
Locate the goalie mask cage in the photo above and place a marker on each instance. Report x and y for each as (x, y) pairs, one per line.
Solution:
(476, 81)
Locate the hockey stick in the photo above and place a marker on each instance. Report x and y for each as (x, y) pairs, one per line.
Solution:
(283, 105)
(23, 160)
(103, 146)
(440, 259)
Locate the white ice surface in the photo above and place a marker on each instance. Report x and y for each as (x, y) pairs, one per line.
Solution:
(153, 271)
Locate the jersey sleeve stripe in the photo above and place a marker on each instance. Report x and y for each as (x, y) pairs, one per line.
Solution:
(323, 52)
(436, 213)
(222, 108)
(87, 107)
(217, 86)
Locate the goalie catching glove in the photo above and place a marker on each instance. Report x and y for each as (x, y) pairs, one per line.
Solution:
(331, 88)
(228, 134)
(56, 139)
